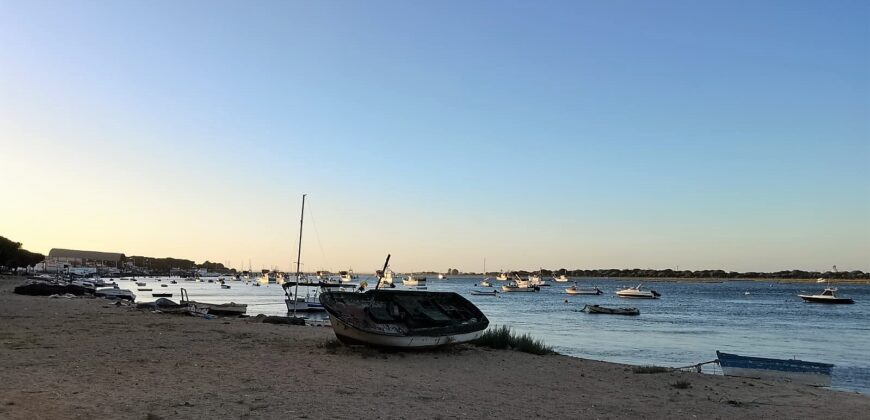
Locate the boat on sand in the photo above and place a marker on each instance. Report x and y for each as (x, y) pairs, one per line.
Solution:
(791, 370)
(403, 319)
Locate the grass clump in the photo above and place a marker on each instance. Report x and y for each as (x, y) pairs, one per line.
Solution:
(682, 384)
(503, 338)
(650, 369)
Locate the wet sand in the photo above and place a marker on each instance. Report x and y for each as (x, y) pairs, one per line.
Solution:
(88, 358)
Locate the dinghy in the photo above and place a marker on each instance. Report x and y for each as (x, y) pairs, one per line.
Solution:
(484, 292)
(596, 309)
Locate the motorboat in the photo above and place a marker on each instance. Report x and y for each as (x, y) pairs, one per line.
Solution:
(502, 276)
(574, 290)
(414, 281)
(537, 281)
(519, 286)
(269, 278)
(791, 370)
(485, 283)
(442, 276)
(560, 279)
(304, 304)
(829, 295)
(596, 309)
(636, 293)
(403, 319)
(347, 276)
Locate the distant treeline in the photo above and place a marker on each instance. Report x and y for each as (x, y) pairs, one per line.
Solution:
(13, 256)
(717, 274)
(164, 265)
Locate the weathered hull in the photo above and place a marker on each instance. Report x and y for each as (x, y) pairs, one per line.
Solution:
(403, 319)
(797, 371)
(354, 336)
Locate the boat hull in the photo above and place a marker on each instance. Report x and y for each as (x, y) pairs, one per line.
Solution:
(518, 289)
(351, 335)
(797, 371)
(830, 301)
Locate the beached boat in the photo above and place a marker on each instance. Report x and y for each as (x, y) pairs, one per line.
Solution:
(829, 295)
(230, 309)
(636, 293)
(484, 292)
(792, 370)
(574, 290)
(403, 319)
(561, 279)
(596, 309)
(414, 281)
(115, 293)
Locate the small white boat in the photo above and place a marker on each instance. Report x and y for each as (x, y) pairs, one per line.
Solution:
(414, 281)
(502, 276)
(485, 283)
(636, 293)
(560, 279)
(574, 290)
(536, 280)
(519, 286)
(829, 295)
(347, 276)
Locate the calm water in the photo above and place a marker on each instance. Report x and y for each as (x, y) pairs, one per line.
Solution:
(686, 326)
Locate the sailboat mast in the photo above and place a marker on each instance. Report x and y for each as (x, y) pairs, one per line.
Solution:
(298, 255)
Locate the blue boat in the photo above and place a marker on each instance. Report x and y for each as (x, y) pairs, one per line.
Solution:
(790, 370)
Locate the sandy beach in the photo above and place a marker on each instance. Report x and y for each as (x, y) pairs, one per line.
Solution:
(89, 358)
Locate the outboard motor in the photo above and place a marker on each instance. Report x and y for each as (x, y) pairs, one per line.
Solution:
(656, 294)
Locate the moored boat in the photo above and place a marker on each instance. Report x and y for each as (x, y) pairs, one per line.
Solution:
(561, 278)
(516, 286)
(484, 292)
(829, 295)
(636, 293)
(791, 370)
(574, 290)
(596, 309)
(485, 283)
(414, 281)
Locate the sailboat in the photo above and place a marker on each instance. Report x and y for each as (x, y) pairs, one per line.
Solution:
(485, 282)
(296, 303)
(403, 319)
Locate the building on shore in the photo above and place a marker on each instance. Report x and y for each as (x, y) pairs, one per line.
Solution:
(81, 262)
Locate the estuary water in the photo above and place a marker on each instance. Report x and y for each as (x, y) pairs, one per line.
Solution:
(684, 327)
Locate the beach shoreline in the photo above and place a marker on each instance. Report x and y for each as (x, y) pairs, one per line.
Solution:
(85, 357)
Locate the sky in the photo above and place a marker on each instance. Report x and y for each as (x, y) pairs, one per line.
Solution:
(727, 135)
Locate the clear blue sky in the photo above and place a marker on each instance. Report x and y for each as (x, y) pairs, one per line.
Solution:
(577, 134)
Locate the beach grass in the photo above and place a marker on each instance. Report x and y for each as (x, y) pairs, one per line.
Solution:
(682, 384)
(503, 338)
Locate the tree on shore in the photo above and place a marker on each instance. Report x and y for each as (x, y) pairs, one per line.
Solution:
(13, 256)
